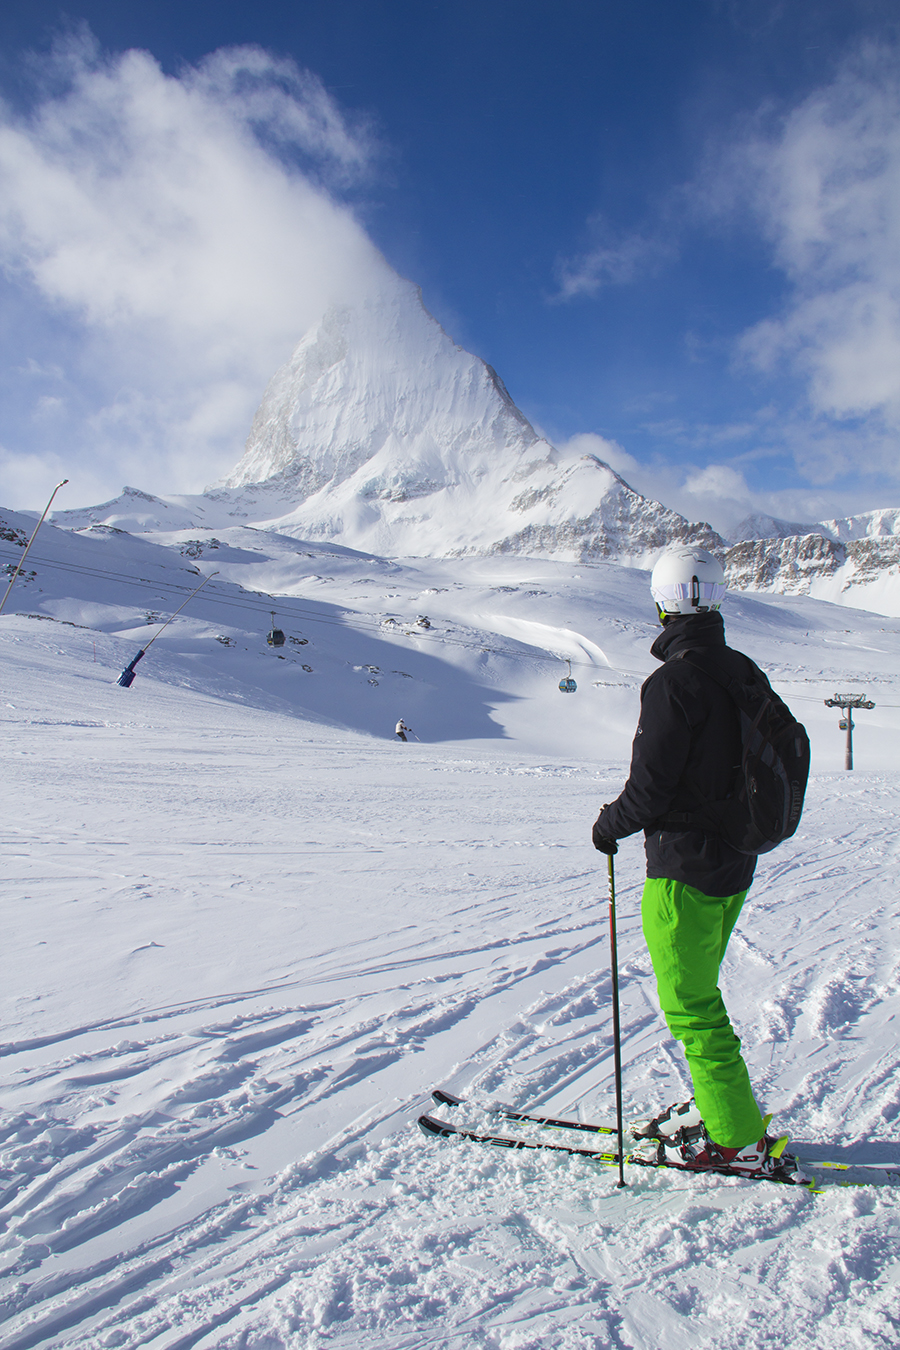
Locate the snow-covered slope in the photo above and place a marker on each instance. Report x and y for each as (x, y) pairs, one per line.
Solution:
(464, 649)
(884, 524)
(246, 931)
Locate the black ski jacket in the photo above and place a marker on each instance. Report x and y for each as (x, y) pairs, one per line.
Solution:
(688, 733)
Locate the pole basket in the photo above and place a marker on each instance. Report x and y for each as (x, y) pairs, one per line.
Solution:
(126, 679)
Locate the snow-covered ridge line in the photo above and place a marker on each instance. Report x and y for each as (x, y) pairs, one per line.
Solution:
(881, 524)
(382, 435)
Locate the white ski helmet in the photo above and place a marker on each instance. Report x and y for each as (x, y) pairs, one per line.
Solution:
(687, 580)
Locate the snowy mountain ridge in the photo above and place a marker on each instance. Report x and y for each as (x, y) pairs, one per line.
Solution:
(384, 434)
(881, 524)
(381, 434)
(851, 561)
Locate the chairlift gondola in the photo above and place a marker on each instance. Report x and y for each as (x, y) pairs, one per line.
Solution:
(567, 685)
(275, 638)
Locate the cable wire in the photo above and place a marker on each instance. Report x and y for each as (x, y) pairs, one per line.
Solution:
(359, 621)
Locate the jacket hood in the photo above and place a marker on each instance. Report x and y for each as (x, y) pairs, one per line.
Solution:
(683, 631)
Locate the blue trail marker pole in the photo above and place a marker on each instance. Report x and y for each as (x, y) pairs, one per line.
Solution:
(126, 679)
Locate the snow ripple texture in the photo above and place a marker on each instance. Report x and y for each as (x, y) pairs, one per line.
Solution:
(240, 945)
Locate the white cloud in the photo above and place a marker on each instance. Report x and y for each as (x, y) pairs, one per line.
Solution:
(826, 182)
(610, 262)
(589, 443)
(718, 482)
(188, 231)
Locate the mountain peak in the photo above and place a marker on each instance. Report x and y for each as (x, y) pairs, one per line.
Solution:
(380, 384)
(382, 433)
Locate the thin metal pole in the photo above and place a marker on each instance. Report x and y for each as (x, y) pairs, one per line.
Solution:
(848, 753)
(181, 607)
(617, 1037)
(17, 569)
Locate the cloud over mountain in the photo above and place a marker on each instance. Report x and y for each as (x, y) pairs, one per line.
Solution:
(183, 230)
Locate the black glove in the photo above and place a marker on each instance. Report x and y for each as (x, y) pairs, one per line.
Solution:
(602, 842)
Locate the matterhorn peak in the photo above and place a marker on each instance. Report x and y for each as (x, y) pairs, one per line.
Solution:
(382, 434)
(381, 384)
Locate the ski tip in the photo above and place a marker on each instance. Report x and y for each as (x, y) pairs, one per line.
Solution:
(428, 1125)
(444, 1098)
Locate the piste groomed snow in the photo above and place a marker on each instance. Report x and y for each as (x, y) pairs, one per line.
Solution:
(247, 931)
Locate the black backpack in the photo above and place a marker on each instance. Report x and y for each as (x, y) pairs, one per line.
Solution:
(765, 803)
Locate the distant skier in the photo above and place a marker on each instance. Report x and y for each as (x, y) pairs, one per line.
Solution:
(401, 729)
(685, 753)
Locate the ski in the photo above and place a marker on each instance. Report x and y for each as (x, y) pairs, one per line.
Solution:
(444, 1098)
(442, 1129)
(435, 1128)
(887, 1169)
(509, 1113)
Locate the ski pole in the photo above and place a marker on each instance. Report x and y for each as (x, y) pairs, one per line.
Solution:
(617, 1039)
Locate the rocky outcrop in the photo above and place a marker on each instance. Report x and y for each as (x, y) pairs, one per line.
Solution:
(864, 572)
(787, 564)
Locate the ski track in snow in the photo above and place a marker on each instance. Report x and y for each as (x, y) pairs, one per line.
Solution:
(242, 947)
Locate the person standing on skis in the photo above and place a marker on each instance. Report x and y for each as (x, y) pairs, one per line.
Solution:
(686, 753)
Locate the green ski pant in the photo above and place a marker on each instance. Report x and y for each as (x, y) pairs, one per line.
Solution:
(687, 933)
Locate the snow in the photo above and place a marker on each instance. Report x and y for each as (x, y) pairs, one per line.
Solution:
(882, 524)
(383, 435)
(246, 931)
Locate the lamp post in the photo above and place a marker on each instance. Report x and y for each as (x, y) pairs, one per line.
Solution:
(18, 568)
(846, 703)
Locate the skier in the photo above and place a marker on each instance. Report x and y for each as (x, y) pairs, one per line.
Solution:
(685, 754)
(401, 729)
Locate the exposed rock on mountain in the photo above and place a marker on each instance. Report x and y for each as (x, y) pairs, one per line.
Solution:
(864, 572)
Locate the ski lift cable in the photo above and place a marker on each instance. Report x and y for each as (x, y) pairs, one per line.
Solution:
(306, 616)
(809, 698)
(180, 608)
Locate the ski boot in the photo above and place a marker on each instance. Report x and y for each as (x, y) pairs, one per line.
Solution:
(677, 1117)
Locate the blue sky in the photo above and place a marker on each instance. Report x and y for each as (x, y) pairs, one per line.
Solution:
(670, 226)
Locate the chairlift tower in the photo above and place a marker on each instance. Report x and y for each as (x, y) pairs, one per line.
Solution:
(846, 703)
